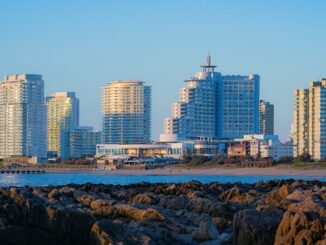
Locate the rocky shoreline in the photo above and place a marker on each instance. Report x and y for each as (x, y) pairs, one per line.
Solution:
(272, 212)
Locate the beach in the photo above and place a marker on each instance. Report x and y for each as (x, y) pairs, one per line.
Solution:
(213, 171)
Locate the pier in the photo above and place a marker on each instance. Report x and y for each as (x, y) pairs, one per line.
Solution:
(21, 171)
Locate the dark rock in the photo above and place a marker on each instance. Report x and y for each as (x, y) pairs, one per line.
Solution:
(252, 227)
(206, 231)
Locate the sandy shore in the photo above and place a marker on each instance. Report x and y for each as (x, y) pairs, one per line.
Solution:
(208, 171)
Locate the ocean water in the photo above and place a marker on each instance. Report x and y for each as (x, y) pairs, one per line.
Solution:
(45, 179)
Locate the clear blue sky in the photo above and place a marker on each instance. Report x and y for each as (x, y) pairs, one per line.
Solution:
(81, 45)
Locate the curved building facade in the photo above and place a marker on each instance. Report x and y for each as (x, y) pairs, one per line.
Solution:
(126, 113)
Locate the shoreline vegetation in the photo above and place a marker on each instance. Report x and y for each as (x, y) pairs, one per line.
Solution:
(171, 213)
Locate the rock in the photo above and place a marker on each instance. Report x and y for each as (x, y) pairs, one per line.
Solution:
(200, 205)
(304, 222)
(54, 194)
(144, 198)
(235, 195)
(220, 223)
(278, 211)
(84, 197)
(205, 232)
(252, 227)
(276, 196)
(138, 214)
(107, 232)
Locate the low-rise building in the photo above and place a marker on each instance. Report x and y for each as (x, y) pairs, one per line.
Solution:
(263, 146)
(168, 151)
(80, 142)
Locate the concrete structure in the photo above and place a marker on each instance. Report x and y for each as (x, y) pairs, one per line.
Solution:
(238, 150)
(309, 120)
(196, 115)
(22, 116)
(81, 142)
(175, 150)
(126, 113)
(266, 118)
(263, 146)
(213, 106)
(63, 115)
(239, 106)
(300, 122)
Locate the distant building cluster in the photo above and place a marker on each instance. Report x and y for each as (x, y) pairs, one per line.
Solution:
(216, 115)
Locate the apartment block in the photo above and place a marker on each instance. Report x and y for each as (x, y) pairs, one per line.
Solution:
(22, 116)
(126, 112)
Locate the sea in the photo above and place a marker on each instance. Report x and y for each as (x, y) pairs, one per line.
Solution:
(48, 179)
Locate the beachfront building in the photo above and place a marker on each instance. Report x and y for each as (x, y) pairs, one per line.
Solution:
(300, 122)
(195, 115)
(266, 118)
(126, 113)
(22, 116)
(261, 146)
(63, 115)
(160, 151)
(309, 120)
(81, 142)
(213, 106)
(239, 114)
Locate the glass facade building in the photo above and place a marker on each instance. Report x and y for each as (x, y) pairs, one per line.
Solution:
(63, 115)
(81, 142)
(126, 113)
(22, 116)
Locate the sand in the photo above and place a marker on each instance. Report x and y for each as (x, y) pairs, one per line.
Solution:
(272, 171)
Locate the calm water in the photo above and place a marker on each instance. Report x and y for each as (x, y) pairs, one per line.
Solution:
(96, 178)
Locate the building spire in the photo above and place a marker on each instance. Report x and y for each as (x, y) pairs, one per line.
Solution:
(208, 67)
(208, 59)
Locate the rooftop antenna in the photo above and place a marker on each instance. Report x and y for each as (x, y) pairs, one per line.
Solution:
(208, 67)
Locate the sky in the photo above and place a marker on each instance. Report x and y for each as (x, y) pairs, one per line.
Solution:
(80, 45)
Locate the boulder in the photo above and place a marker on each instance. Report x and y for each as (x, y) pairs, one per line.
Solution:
(144, 198)
(304, 222)
(205, 232)
(252, 227)
(138, 214)
(106, 232)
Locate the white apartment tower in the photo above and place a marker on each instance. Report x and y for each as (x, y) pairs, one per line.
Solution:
(22, 116)
(266, 118)
(63, 116)
(126, 113)
(213, 106)
(309, 120)
(196, 114)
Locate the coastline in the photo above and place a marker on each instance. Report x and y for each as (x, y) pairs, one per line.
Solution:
(272, 171)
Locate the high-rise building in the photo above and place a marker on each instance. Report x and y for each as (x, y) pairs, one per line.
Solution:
(81, 142)
(126, 113)
(309, 120)
(214, 106)
(63, 115)
(266, 118)
(196, 114)
(239, 106)
(22, 116)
